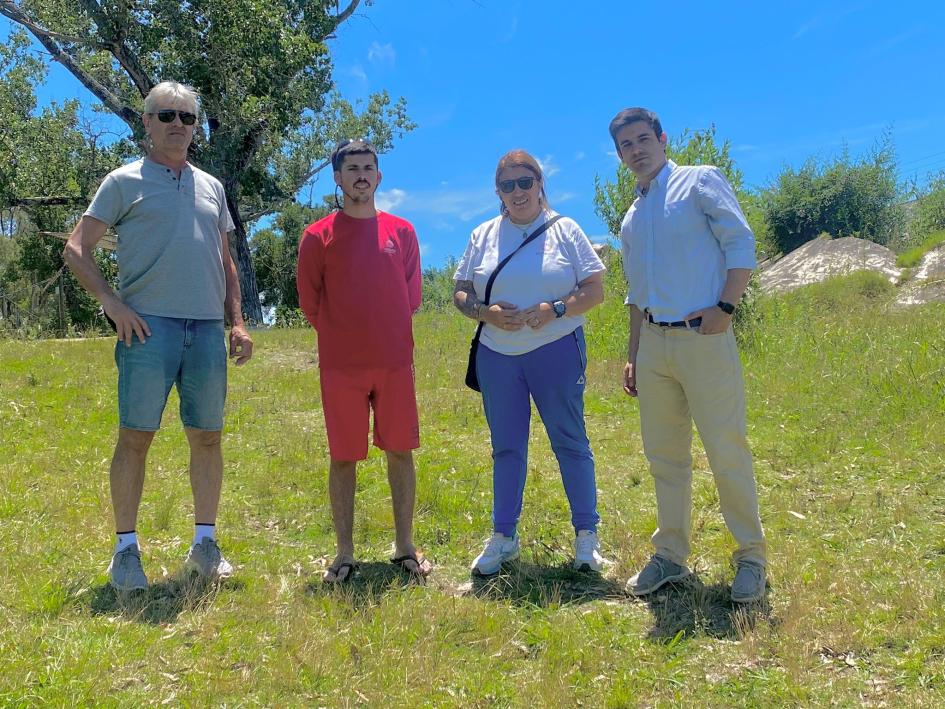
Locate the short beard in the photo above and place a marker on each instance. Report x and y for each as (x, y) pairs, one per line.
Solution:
(359, 198)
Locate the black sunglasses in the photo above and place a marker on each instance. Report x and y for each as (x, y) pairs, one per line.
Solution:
(167, 116)
(524, 183)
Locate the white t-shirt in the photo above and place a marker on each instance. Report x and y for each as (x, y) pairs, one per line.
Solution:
(546, 270)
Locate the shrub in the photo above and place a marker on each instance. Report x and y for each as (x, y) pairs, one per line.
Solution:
(842, 198)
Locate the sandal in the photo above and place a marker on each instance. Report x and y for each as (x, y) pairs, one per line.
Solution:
(420, 571)
(336, 569)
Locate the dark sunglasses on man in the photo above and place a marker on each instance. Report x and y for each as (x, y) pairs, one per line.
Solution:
(168, 115)
(524, 183)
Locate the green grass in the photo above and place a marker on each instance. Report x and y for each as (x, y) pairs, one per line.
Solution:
(847, 422)
(911, 257)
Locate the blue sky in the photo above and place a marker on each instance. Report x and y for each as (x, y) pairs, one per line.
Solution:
(783, 81)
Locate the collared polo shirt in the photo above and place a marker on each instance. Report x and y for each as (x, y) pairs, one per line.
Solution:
(680, 239)
(170, 257)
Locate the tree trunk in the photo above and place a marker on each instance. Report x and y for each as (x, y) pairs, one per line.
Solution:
(249, 292)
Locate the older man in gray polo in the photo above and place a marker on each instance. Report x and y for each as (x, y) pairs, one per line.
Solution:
(177, 282)
(688, 254)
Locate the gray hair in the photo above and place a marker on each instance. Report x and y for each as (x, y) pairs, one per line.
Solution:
(173, 90)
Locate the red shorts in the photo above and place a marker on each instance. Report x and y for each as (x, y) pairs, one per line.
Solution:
(347, 397)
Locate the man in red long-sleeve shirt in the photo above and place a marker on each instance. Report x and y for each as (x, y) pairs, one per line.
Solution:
(359, 285)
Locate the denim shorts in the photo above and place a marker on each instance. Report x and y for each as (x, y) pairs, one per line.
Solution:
(189, 353)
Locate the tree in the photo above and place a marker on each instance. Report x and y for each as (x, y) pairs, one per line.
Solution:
(930, 208)
(262, 68)
(840, 197)
(613, 199)
(276, 252)
(52, 153)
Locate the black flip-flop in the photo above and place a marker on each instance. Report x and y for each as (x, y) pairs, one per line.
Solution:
(416, 574)
(352, 566)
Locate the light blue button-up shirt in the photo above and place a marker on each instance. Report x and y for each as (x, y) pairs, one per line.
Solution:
(680, 239)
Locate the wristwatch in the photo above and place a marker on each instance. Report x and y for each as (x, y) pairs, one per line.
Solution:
(559, 307)
(726, 308)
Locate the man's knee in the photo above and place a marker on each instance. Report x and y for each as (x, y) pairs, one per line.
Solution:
(400, 457)
(343, 467)
(203, 439)
(133, 441)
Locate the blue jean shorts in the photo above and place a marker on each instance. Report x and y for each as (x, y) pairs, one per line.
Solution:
(188, 353)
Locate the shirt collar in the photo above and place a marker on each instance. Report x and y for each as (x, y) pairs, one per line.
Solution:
(661, 177)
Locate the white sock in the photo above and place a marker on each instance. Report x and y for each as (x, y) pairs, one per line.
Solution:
(204, 531)
(125, 540)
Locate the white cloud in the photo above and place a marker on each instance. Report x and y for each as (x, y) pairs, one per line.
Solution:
(357, 71)
(548, 165)
(559, 197)
(463, 205)
(381, 53)
(580, 155)
(424, 248)
(390, 199)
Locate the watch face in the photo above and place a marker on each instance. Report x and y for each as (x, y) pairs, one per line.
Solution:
(558, 307)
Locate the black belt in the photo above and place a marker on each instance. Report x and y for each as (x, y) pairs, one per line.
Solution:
(694, 323)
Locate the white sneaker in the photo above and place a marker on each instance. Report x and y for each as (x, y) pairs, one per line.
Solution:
(587, 556)
(497, 551)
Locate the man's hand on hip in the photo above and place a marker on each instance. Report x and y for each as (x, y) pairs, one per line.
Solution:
(127, 322)
(241, 345)
(714, 320)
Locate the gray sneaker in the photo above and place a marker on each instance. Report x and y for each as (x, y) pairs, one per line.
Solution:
(749, 583)
(125, 572)
(205, 558)
(657, 572)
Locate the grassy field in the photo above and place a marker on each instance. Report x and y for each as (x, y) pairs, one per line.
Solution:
(846, 408)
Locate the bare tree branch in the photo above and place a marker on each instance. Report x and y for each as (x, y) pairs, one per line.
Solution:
(114, 43)
(9, 9)
(64, 201)
(347, 12)
(45, 37)
(276, 205)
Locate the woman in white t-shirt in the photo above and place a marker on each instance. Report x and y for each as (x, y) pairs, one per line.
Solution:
(532, 345)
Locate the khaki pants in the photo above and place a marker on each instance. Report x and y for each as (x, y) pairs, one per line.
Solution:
(681, 377)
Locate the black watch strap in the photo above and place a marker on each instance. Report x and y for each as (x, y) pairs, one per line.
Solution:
(726, 308)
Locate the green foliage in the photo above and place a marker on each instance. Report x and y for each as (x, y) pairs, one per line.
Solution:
(929, 213)
(845, 418)
(438, 286)
(841, 197)
(911, 257)
(699, 147)
(50, 153)
(276, 251)
(263, 70)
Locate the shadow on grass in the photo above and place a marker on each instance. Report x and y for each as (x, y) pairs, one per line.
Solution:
(524, 583)
(161, 602)
(371, 581)
(693, 608)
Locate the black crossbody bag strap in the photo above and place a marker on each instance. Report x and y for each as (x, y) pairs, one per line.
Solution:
(531, 237)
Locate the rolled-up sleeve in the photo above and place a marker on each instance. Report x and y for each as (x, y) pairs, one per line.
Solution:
(726, 220)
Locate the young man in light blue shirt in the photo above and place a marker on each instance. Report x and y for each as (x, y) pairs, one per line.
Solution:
(687, 254)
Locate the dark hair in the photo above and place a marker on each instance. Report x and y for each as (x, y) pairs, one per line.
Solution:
(352, 146)
(632, 115)
(520, 158)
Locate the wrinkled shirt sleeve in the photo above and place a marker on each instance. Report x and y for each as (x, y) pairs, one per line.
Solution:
(726, 220)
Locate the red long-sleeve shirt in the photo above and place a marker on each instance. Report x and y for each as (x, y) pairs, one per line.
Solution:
(359, 284)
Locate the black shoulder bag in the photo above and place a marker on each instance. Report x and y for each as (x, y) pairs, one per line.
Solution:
(472, 379)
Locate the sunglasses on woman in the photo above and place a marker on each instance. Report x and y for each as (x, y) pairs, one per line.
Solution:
(524, 183)
(167, 116)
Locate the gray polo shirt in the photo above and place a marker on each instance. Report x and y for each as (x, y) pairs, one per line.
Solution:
(170, 258)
